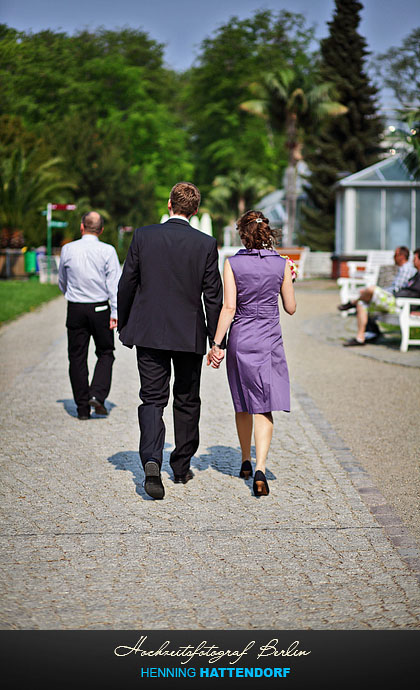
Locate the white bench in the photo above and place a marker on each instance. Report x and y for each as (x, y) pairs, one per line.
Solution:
(363, 274)
(404, 319)
(48, 269)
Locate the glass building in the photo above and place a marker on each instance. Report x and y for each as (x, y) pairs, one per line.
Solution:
(378, 208)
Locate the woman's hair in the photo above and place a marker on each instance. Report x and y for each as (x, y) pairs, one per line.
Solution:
(255, 232)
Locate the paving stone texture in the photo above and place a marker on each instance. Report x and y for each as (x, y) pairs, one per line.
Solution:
(84, 547)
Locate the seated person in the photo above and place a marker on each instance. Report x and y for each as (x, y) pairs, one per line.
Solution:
(383, 298)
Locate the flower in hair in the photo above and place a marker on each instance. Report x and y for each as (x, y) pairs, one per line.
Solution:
(258, 220)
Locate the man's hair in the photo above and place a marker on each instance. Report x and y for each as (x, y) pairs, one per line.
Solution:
(404, 251)
(185, 198)
(417, 251)
(93, 222)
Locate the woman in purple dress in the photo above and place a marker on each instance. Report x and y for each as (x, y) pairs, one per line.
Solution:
(256, 364)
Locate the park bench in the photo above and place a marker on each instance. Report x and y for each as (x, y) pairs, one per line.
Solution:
(364, 273)
(48, 274)
(404, 317)
(297, 254)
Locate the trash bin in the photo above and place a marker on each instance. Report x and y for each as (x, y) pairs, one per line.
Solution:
(30, 262)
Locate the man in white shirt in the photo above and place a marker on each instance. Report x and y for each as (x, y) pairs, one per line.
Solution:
(382, 298)
(88, 276)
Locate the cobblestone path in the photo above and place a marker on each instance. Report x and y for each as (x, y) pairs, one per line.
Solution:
(83, 546)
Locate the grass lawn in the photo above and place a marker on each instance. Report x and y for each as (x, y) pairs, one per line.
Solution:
(20, 296)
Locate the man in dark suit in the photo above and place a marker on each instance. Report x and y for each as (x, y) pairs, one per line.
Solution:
(170, 269)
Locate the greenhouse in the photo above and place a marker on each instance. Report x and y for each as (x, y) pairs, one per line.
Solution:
(378, 208)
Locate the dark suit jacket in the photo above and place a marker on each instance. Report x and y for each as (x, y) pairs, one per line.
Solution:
(412, 289)
(168, 269)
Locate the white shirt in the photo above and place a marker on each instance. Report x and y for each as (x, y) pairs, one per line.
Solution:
(89, 272)
(175, 215)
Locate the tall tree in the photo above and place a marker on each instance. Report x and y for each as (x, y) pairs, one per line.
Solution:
(231, 195)
(104, 102)
(292, 101)
(25, 189)
(350, 142)
(399, 69)
(223, 136)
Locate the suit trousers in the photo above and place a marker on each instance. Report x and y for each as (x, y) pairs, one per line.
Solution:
(86, 320)
(155, 372)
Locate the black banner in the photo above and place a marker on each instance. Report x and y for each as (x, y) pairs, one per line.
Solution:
(197, 659)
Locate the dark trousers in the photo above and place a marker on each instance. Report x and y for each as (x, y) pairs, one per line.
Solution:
(84, 321)
(155, 372)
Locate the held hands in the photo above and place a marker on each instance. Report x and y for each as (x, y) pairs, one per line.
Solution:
(215, 357)
(113, 323)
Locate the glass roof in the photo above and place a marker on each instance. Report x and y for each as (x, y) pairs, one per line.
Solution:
(389, 170)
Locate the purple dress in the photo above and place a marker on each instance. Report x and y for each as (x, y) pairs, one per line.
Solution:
(256, 363)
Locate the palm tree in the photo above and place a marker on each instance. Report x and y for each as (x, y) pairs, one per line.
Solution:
(27, 186)
(412, 158)
(231, 195)
(290, 101)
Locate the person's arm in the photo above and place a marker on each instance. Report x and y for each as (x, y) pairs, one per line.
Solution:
(412, 289)
(287, 292)
(216, 354)
(401, 278)
(62, 273)
(130, 279)
(112, 276)
(212, 291)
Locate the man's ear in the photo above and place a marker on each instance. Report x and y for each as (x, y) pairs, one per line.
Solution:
(169, 205)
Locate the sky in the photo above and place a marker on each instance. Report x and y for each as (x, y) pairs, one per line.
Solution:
(182, 24)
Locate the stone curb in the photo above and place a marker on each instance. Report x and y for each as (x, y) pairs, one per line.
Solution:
(383, 513)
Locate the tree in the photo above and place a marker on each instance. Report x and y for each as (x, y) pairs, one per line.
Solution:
(412, 158)
(26, 188)
(231, 195)
(223, 136)
(399, 69)
(104, 103)
(348, 143)
(292, 101)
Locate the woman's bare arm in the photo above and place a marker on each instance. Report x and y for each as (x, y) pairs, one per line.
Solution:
(227, 313)
(287, 292)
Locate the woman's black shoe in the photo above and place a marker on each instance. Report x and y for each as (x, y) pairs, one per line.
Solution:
(246, 470)
(260, 485)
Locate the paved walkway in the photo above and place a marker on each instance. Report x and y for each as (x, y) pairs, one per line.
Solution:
(83, 546)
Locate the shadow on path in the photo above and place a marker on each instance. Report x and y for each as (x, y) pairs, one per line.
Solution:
(223, 459)
(227, 460)
(129, 461)
(71, 408)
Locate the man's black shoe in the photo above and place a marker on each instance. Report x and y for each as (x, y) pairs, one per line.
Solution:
(353, 342)
(183, 478)
(346, 306)
(99, 407)
(153, 483)
(83, 416)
